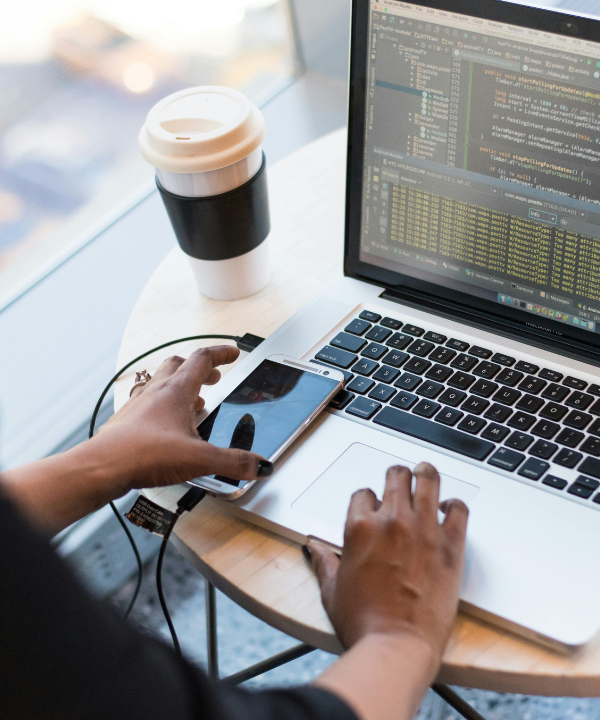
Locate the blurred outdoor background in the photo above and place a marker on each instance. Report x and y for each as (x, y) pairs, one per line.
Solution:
(77, 78)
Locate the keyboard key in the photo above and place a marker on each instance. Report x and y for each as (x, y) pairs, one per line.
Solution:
(486, 370)
(583, 489)
(575, 383)
(590, 466)
(378, 333)
(591, 446)
(404, 400)
(398, 341)
(588, 482)
(484, 388)
(382, 393)
(363, 407)
(499, 413)
(594, 389)
(459, 345)
(533, 469)
(439, 373)
(552, 411)
(407, 381)
(532, 385)
(555, 482)
(555, 392)
(340, 401)
(545, 429)
(594, 428)
(426, 408)
(509, 377)
(374, 351)
(495, 432)
(570, 438)
(347, 375)
(519, 441)
(463, 362)
(449, 416)
(551, 375)
(595, 409)
(452, 397)
(386, 374)
(391, 323)
(529, 403)
(430, 389)
(474, 405)
(507, 396)
(414, 330)
(370, 316)
(527, 367)
(577, 420)
(442, 355)
(435, 433)
(461, 380)
(543, 449)
(435, 337)
(506, 459)
(357, 327)
(579, 400)
(480, 352)
(395, 358)
(471, 424)
(335, 356)
(521, 421)
(503, 359)
(568, 458)
(361, 385)
(417, 365)
(348, 342)
(420, 348)
(365, 366)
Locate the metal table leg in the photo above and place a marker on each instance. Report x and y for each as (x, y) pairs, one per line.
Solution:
(455, 701)
(212, 647)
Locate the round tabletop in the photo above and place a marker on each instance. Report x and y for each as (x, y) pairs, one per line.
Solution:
(263, 572)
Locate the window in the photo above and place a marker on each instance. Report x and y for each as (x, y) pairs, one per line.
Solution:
(77, 78)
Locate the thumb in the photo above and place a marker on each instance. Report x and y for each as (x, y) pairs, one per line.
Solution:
(325, 564)
(231, 462)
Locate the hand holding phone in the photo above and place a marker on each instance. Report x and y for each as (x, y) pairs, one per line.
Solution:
(266, 412)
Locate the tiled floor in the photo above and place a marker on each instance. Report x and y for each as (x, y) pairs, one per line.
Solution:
(244, 640)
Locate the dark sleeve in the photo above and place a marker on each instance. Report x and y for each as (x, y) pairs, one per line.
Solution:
(66, 656)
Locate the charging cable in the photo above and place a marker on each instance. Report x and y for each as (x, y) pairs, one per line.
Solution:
(247, 342)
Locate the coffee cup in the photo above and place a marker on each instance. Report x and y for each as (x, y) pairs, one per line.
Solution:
(205, 144)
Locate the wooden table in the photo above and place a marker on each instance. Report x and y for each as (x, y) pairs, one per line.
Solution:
(266, 574)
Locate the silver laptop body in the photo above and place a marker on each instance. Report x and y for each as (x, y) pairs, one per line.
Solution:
(469, 318)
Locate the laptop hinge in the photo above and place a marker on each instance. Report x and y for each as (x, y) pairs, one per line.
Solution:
(500, 326)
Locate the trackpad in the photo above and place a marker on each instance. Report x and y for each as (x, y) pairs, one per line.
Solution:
(361, 466)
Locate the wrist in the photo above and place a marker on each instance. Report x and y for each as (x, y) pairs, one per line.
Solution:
(404, 643)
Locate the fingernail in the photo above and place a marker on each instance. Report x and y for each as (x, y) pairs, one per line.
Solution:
(265, 468)
(306, 551)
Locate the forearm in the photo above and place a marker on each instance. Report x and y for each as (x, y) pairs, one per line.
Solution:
(383, 677)
(60, 489)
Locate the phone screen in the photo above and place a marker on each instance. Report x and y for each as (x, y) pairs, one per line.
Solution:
(265, 409)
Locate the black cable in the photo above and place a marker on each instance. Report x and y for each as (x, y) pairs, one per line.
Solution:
(245, 342)
(188, 502)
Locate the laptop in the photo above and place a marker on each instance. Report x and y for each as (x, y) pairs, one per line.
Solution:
(468, 321)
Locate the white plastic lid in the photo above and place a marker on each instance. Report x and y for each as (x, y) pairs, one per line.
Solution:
(201, 129)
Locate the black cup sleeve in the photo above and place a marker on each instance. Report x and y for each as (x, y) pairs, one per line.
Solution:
(223, 226)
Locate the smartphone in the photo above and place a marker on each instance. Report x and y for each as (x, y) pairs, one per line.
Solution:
(266, 412)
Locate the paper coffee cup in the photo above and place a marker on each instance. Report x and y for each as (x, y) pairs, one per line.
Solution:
(205, 144)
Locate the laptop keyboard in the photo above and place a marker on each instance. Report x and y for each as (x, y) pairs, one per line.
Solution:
(488, 406)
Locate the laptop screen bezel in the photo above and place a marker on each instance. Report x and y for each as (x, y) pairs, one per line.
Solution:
(450, 302)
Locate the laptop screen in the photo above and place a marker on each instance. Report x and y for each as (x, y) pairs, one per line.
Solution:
(481, 169)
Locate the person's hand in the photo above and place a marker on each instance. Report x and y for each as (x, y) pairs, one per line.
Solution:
(153, 441)
(400, 570)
